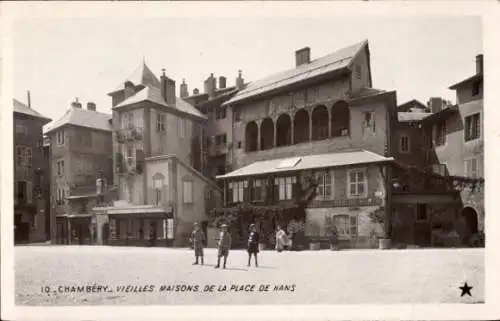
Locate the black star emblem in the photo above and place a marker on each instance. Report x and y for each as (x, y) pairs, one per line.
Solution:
(465, 289)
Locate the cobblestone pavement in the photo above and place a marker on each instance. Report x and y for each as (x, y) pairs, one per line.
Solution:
(309, 277)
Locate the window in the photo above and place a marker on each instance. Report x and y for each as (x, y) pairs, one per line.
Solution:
(181, 127)
(324, 189)
(60, 137)
(358, 71)
(238, 190)
(21, 129)
(285, 187)
(476, 88)
(221, 140)
(160, 122)
(404, 144)
(60, 167)
(158, 181)
(21, 192)
(259, 189)
(220, 112)
(347, 226)
(368, 122)
(237, 114)
(357, 183)
(439, 169)
(471, 169)
(187, 191)
(440, 134)
(472, 127)
(23, 156)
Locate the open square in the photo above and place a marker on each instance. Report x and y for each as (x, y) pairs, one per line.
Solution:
(316, 277)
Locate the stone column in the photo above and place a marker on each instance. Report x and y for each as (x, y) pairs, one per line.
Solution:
(275, 128)
(329, 123)
(259, 124)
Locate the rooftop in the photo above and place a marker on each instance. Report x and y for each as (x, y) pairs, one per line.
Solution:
(335, 61)
(467, 80)
(153, 94)
(81, 117)
(280, 165)
(21, 108)
(141, 76)
(412, 116)
(412, 105)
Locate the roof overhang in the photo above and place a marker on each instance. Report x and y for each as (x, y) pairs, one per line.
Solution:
(468, 80)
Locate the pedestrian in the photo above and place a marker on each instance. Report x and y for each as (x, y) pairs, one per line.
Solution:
(223, 245)
(197, 240)
(333, 237)
(253, 244)
(281, 239)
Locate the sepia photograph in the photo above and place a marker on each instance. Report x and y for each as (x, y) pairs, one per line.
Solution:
(246, 161)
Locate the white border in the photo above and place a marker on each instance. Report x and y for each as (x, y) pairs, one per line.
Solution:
(489, 10)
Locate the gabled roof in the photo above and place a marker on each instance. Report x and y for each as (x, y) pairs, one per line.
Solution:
(468, 80)
(21, 108)
(279, 165)
(141, 76)
(335, 61)
(154, 95)
(81, 117)
(409, 105)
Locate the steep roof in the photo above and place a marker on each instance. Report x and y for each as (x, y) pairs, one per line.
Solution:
(153, 94)
(21, 108)
(335, 61)
(141, 76)
(308, 162)
(467, 80)
(409, 105)
(81, 117)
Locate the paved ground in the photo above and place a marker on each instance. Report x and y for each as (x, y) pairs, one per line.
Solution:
(321, 277)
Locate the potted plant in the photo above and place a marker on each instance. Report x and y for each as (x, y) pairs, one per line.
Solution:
(314, 229)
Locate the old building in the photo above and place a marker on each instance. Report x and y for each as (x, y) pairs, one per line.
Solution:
(323, 109)
(455, 147)
(30, 174)
(80, 153)
(158, 159)
(217, 147)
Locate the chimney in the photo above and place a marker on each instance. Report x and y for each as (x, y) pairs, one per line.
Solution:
(29, 99)
(222, 82)
(129, 89)
(76, 104)
(209, 85)
(302, 56)
(184, 89)
(91, 106)
(167, 89)
(436, 104)
(196, 91)
(239, 81)
(479, 64)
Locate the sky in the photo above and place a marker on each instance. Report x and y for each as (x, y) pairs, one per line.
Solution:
(61, 59)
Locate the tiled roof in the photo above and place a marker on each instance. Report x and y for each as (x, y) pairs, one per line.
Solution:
(21, 108)
(153, 94)
(141, 76)
(308, 162)
(329, 63)
(463, 82)
(81, 117)
(412, 116)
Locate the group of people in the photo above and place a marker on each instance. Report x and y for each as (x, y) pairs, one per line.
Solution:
(224, 242)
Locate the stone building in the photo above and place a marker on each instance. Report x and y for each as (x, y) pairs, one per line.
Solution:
(158, 163)
(30, 174)
(323, 109)
(455, 147)
(80, 144)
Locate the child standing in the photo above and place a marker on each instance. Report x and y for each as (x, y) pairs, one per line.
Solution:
(198, 238)
(253, 244)
(223, 245)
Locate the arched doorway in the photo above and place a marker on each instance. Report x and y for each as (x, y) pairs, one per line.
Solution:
(301, 127)
(320, 123)
(251, 134)
(266, 134)
(470, 217)
(283, 130)
(340, 119)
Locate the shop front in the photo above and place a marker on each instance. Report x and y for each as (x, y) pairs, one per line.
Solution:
(75, 229)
